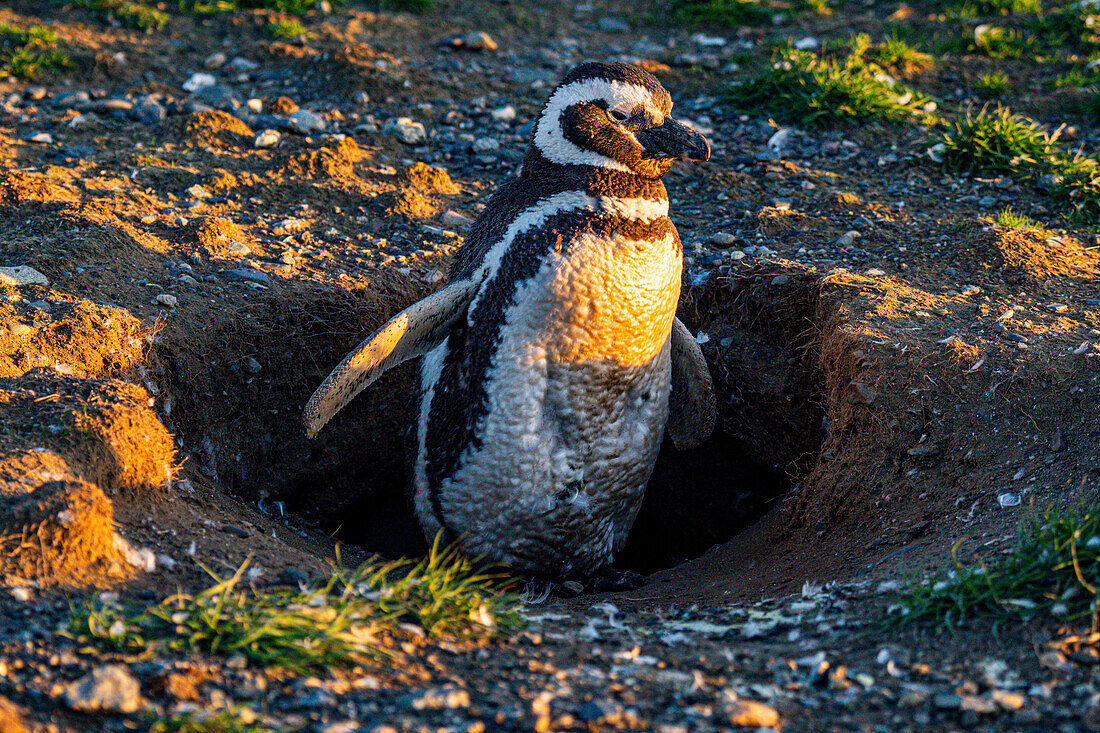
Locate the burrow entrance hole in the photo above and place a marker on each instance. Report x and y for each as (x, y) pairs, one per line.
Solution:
(233, 392)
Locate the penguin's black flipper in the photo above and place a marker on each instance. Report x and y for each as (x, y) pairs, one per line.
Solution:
(692, 407)
(411, 333)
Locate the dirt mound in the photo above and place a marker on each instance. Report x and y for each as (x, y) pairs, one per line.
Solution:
(215, 235)
(1017, 254)
(54, 527)
(429, 179)
(418, 198)
(105, 430)
(17, 187)
(66, 446)
(11, 717)
(332, 161)
(208, 129)
(78, 338)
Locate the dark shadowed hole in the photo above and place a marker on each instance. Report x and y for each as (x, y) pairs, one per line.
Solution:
(351, 481)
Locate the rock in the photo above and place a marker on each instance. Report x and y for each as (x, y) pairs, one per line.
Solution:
(861, 394)
(40, 138)
(987, 202)
(40, 305)
(1058, 441)
(108, 689)
(219, 96)
(876, 272)
(781, 279)
(22, 275)
(472, 41)
(485, 145)
(504, 114)
(748, 713)
(167, 300)
(238, 249)
(149, 112)
(976, 704)
(107, 106)
(595, 711)
(848, 237)
(197, 81)
(479, 41)
(241, 65)
(252, 367)
(441, 698)
(405, 130)
(305, 122)
(215, 60)
(722, 239)
(246, 274)
(267, 139)
(71, 100)
(971, 290)
(1007, 699)
(1008, 499)
(293, 576)
(924, 451)
(613, 25)
(198, 192)
(946, 701)
(455, 220)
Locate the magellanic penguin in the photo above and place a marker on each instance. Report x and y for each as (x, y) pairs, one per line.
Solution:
(550, 357)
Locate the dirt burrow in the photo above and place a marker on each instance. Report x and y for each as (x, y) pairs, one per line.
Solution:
(232, 392)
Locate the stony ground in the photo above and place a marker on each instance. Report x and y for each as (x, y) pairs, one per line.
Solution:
(201, 220)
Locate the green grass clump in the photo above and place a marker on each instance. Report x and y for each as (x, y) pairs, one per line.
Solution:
(801, 87)
(130, 14)
(24, 52)
(1078, 188)
(899, 57)
(410, 6)
(970, 9)
(997, 141)
(1077, 79)
(354, 618)
(1054, 570)
(992, 85)
(1015, 220)
(285, 29)
(720, 12)
(820, 8)
(241, 720)
(211, 7)
(999, 43)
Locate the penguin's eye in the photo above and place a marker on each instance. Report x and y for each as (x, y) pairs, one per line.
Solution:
(617, 115)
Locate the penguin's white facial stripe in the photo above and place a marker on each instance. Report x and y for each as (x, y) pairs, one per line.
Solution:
(549, 136)
(634, 209)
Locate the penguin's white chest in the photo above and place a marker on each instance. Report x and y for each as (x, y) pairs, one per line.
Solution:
(577, 401)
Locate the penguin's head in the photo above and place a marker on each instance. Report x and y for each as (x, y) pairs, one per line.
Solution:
(615, 115)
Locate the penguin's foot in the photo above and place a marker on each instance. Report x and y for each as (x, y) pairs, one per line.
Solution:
(604, 580)
(613, 579)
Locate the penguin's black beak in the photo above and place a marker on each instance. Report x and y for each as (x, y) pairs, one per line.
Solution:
(673, 139)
